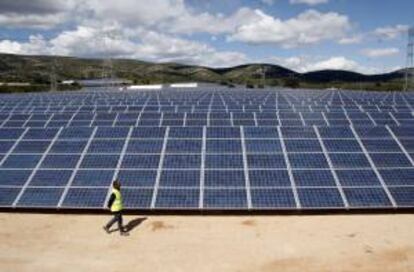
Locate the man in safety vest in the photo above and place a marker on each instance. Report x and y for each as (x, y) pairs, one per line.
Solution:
(116, 206)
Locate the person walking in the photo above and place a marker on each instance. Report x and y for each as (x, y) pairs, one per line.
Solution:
(116, 206)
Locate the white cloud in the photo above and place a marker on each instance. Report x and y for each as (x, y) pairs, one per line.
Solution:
(309, 2)
(160, 47)
(351, 40)
(309, 27)
(35, 45)
(380, 52)
(126, 43)
(390, 32)
(136, 13)
(171, 16)
(206, 22)
(309, 63)
(335, 63)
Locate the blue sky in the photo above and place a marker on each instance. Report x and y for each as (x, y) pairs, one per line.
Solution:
(367, 36)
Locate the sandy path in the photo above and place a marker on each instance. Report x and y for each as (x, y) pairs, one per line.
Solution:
(374, 243)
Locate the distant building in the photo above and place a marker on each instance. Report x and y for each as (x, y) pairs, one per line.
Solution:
(15, 84)
(68, 82)
(104, 82)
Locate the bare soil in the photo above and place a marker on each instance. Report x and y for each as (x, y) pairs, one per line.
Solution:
(40, 242)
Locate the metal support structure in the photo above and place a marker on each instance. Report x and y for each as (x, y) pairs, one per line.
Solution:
(53, 77)
(409, 68)
(108, 73)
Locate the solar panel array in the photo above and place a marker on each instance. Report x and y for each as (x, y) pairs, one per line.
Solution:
(208, 149)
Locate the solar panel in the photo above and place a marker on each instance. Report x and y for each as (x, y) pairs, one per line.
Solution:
(208, 149)
(273, 198)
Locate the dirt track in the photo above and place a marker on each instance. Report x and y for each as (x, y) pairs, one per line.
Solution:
(167, 243)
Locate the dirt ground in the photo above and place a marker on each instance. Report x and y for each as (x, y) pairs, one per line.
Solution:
(377, 243)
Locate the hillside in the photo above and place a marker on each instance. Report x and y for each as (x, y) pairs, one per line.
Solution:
(36, 69)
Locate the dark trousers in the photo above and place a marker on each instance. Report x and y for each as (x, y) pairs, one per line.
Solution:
(117, 218)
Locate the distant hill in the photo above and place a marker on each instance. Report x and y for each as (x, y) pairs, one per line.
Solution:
(36, 69)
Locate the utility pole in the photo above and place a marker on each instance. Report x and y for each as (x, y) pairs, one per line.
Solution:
(409, 67)
(264, 70)
(53, 79)
(108, 66)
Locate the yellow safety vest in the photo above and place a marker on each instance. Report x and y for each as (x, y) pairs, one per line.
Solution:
(117, 204)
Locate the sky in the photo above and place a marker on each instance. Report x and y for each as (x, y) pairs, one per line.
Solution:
(367, 36)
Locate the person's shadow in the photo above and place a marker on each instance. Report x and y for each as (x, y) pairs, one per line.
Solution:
(131, 224)
(134, 223)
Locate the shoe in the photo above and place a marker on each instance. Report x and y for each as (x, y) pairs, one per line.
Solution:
(106, 230)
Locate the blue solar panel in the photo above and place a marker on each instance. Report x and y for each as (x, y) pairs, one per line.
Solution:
(137, 198)
(14, 177)
(141, 161)
(40, 133)
(224, 178)
(60, 161)
(390, 160)
(225, 149)
(358, 177)
(85, 198)
(31, 147)
(223, 161)
(273, 198)
(145, 146)
(68, 147)
(223, 132)
(320, 198)
(398, 177)
(403, 131)
(403, 196)
(137, 178)
(183, 146)
(408, 144)
(298, 132)
(75, 132)
(106, 146)
(8, 195)
(225, 198)
(10, 133)
(349, 160)
(177, 198)
(99, 161)
(40, 197)
(5, 146)
(263, 146)
(182, 161)
(21, 161)
(50, 178)
(150, 132)
(93, 178)
(308, 160)
(381, 145)
(314, 178)
(186, 132)
(342, 146)
(363, 197)
(303, 146)
(224, 146)
(372, 132)
(269, 178)
(178, 178)
(266, 161)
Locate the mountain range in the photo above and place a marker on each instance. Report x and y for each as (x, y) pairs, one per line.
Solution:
(37, 70)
